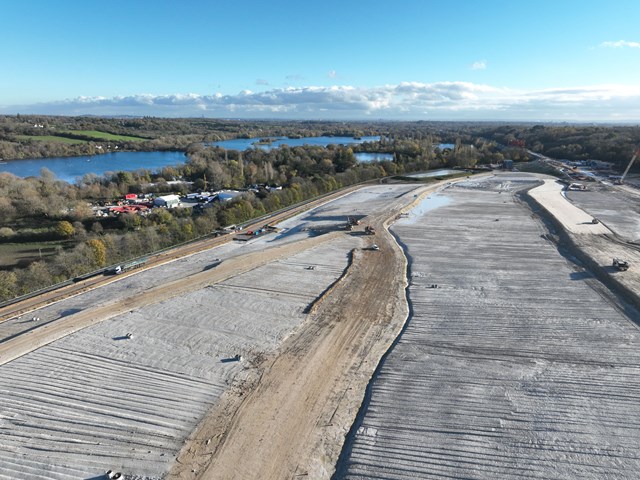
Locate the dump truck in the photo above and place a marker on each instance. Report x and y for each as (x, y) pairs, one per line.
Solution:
(369, 230)
(621, 265)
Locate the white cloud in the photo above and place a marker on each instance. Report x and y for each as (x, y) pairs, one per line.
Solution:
(480, 65)
(332, 74)
(262, 81)
(406, 100)
(620, 44)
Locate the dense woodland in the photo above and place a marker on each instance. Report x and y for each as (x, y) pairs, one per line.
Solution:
(46, 211)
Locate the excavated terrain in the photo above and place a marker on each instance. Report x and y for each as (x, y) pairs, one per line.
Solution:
(515, 363)
(80, 396)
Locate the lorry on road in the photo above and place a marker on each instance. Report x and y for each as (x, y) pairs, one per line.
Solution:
(125, 267)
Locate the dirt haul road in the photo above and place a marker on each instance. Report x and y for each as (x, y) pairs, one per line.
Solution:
(294, 421)
(308, 393)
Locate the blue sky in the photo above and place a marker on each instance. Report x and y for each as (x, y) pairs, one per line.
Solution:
(351, 59)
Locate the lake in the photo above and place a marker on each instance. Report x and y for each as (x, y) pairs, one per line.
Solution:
(372, 157)
(70, 169)
(246, 143)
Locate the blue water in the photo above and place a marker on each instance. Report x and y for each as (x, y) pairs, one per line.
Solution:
(442, 146)
(246, 143)
(372, 157)
(70, 169)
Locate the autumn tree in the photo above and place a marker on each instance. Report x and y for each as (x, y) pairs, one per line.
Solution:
(64, 229)
(98, 252)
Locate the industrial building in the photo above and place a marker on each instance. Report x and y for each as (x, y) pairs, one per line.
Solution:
(227, 195)
(168, 201)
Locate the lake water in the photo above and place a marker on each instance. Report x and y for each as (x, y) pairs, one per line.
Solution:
(372, 157)
(70, 169)
(246, 143)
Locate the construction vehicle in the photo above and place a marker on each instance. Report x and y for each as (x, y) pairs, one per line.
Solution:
(621, 265)
(353, 221)
(369, 230)
(620, 181)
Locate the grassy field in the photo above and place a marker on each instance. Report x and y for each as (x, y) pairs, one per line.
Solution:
(13, 254)
(50, 138)
(106, 136)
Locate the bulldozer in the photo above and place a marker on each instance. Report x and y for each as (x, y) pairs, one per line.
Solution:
(621, 265)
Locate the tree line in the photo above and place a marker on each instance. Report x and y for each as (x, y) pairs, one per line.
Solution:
(45, 209)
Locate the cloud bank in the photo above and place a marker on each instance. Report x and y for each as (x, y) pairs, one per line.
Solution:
(404, 101)
(620, 44)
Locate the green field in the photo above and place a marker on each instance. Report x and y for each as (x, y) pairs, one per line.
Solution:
(11, 254)
(106, 136)
(50, 138)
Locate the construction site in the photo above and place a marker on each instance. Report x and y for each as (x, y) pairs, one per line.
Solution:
(484, 327)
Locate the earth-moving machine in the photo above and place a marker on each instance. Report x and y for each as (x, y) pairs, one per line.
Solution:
(621, 265)
(369, 230)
